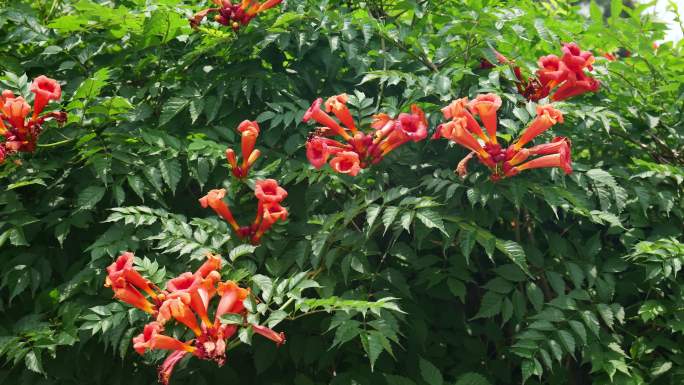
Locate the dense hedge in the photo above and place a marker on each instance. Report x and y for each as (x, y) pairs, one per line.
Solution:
(395, 269)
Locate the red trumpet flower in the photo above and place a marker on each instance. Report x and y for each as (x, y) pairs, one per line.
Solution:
(567, 73)
(576, 59)
(577, 84)
(268, 191)
(210, 339)
(233, 15)
(123, 268)
(505, 162)
(346, 162)
(361, 149)
(249, 132)
(486, 107)
(45, 89)
(547, 116)
(278, 338)
(19, 131)
(214, 199)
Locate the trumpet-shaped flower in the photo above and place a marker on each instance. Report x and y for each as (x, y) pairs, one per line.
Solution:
(15, 111)
(20, 130)
(278, 338)
(338, 105)
(577, 84)
(126, 292)
(317, 152)
(361, 149)
(214, 199)
(486, 107)
(45, 89)
(552, 71)
(316, 113)
(176, 308)
(268, 191)
(413, 125)
(510, 161)
(123, 268)
(213, 263)
(547, 116)
(346, 162)
(210, 339)
(232, 297)
(576, 59)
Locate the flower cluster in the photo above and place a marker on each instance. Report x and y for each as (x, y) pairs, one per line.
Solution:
(233, 15)
(186, 299)
(565, 74)
(267, 191)
(358, 150)
(464, 129)
(269, 210)
(18, 126)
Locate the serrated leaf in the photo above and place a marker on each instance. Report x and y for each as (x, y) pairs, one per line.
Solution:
(171, 172)
(241, 250)
(431, 219)
(171, 108)
(567, 340)
(490, 305)
(430, 373)
(579, 329)
(514, 252)
(89, 197)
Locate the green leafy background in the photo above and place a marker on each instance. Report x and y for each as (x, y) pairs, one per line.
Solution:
(404, 275)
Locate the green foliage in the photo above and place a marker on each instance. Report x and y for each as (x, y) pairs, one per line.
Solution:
(406, 274)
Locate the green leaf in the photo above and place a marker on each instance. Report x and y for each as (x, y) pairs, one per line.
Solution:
(567, 340)
(490, 305)
(472, 378)
(579, 329)
(171, 108)
(265, 284)
(389, 215)
(606, 314)
(241, 250)
(430, 373)
(431, 219)
(591, 322)
(91, 88)
(514, 252)
(232, 319)
(457, 288)
(171, 172)
(89, 197)
(535, 295)
(34, 362)
(373, 344)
